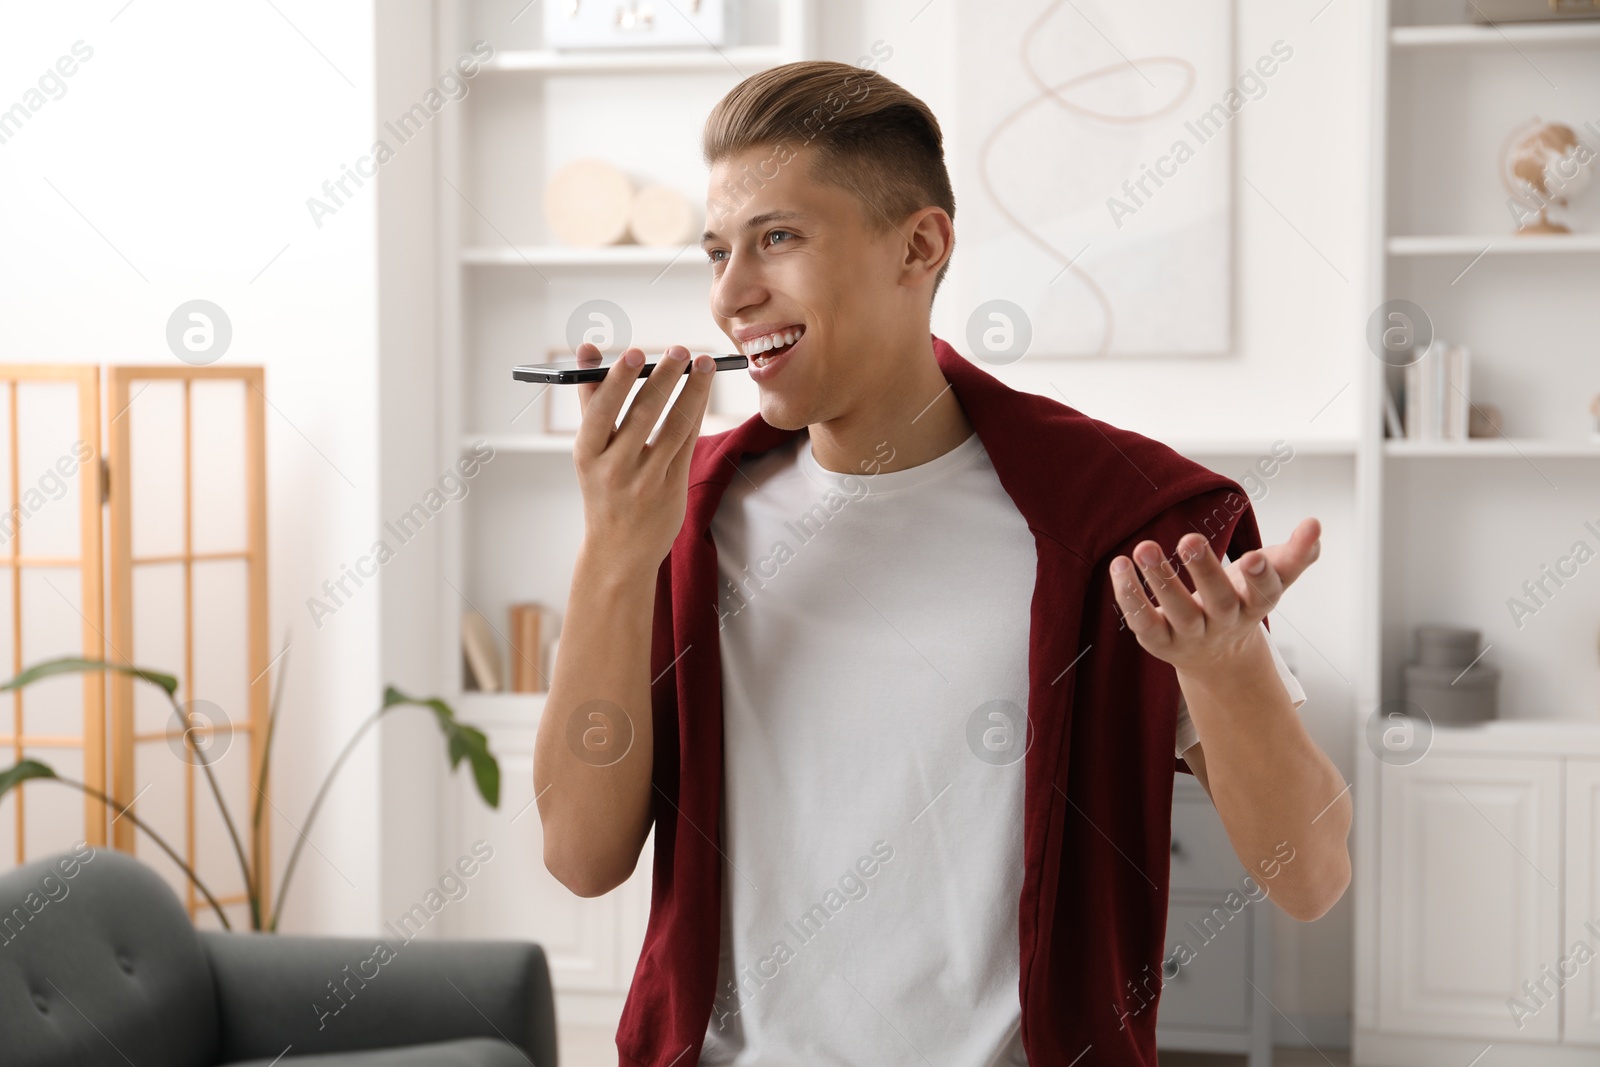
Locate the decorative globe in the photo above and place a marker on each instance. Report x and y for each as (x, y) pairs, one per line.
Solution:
(1543, 163)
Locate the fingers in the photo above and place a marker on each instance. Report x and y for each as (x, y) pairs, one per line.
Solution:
(1261, 588)
(604, 398)
(1218, 597)
(676, 442)
(588, 356)
(1138, 612)
(678, 435)
(1291, 558)
(1183, 612)
(642, 414)
(1250, 587)
(1282, 564)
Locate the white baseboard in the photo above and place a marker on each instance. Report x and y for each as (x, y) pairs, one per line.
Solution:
(1403, 1050)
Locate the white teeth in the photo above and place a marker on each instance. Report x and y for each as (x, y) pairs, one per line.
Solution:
(771, 341)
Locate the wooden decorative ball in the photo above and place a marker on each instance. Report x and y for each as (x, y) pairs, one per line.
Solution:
(587, 203)
(661, 217)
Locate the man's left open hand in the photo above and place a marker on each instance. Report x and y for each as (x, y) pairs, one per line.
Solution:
(1192, 630)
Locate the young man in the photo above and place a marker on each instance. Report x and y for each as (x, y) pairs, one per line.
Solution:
(875, 665)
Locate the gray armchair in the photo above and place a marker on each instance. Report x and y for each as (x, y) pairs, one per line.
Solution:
(105, 968)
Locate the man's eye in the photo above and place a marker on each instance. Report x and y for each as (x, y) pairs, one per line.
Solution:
(711, 256)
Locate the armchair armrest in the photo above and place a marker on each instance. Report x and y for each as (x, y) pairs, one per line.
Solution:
(324, 994)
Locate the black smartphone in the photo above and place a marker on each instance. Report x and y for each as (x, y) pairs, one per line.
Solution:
(573, 371)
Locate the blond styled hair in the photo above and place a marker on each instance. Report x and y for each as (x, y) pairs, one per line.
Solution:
(871, 137)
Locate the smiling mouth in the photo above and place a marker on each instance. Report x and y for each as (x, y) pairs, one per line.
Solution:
(763, 350)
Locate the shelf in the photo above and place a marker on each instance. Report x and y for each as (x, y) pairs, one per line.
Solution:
(561, 256)
(522, 709)
(522, 442)
(1519, 737)
(740, 60)
(1491, 447)
(1472, 36)
(1500, 244)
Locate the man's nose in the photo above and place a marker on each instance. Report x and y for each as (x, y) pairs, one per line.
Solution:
(739, 286)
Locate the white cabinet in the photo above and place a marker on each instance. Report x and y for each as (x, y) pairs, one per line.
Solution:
(1211, 1003)
(1471, 859)
(1487, 926)
(1581, 993)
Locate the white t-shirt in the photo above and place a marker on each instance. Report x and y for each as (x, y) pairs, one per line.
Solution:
(874, 649)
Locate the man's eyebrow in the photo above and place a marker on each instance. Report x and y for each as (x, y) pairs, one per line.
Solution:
(759, 220)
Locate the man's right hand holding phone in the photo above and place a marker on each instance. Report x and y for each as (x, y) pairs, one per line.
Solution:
(595, 746)
(635, 494)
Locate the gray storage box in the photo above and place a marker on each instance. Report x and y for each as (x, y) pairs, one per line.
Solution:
(1440, 682)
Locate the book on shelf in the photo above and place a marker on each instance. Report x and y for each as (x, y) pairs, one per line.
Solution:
(1437, 388)
(1392, 425)
(481, 653)
(532, 626)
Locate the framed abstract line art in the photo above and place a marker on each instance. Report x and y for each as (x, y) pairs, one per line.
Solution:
(1093, 156)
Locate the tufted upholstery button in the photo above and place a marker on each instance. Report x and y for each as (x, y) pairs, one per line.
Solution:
(125, 963)
(40, 1003)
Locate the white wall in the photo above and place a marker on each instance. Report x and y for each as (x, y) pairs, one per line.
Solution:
(411, 592)
(181, 156)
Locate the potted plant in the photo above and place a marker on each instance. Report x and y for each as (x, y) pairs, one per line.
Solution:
(461, 742)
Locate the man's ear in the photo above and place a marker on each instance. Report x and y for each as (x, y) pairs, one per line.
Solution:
(930, 238)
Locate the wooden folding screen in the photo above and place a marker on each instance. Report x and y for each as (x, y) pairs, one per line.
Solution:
(125, 741)
(88, 563)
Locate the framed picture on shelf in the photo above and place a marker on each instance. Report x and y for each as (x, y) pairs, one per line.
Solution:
(636, 24)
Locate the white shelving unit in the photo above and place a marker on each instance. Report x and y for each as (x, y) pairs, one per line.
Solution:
(1486, 448)
(505, 296)
(1498, 245)
(546, 61)
(1451, 530)
(1524, 35)
(557, 256)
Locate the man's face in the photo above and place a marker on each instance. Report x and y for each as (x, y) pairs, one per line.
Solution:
(792, 256)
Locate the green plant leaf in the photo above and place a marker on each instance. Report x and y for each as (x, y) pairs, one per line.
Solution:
(73, 664)
(28, 768)
(471, 743)
(462, 742)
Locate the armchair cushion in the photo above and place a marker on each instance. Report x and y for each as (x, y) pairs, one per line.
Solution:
(471, 1052)
(328, 995)
(100, 966)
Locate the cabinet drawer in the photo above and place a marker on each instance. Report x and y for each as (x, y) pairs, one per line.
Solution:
(1210, 992)
(1202, 855)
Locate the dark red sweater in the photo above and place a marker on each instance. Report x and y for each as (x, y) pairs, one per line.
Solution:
(1098, 772)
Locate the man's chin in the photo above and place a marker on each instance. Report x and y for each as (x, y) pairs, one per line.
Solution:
(783, 414)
